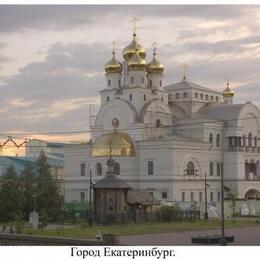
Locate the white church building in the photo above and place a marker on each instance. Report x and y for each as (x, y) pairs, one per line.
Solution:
(166, 139)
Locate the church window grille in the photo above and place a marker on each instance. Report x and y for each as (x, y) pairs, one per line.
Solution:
(117, 168)
(211, 168)
(132, 79)
(150, 166)
(218, 140)
(183, 196)
(164, 195)
(210, 138)
(177, 95)
(109, 82)
(130, 97)
(82, 169)
(107, 98)
(82, 197)
(99, 168)
(144, 97)
(190, 168)
(218, 168)
(192, 196)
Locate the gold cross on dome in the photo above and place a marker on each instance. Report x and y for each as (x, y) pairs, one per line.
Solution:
(155, 45)
(113, 46)
(184, 70)
(134, 21)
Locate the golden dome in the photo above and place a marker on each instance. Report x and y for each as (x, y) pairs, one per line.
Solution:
(132, 48)
(114, 144)
(155, 66)
(113, 66)
(137, 63)
(227, 92)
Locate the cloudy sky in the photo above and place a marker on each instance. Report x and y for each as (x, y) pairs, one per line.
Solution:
(52, 57)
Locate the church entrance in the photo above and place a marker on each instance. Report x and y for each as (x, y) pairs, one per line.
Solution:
(252, 194)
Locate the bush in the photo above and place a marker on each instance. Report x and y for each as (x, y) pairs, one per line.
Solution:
(169, 213)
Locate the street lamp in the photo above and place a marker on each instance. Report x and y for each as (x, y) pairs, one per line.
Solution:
(206, 186)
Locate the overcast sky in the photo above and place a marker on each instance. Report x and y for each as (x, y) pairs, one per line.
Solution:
(52, 57)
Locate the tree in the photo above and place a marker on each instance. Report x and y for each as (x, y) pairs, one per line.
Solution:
(28, 180)
(11, 196)
(47, 193)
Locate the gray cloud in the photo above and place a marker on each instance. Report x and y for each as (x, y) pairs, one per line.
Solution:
(13, 18)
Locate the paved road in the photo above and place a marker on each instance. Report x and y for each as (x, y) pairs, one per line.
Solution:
(243, 236)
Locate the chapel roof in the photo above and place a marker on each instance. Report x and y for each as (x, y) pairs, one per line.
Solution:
(141, 197)
(111, 181)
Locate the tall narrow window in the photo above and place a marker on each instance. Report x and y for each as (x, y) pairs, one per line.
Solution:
(150, 167)
(212, 98)
(183, 196)
(244, 140)
(130, 97)
(211, 196)
(218, 140)
(164, 195)
(207, 97)
(144, 97)
(185, 95)
(196, 95)
(160, 83)
(211, 169)
(109, 82)
(177, 95)
(255, 143)
(150, 82)
(219, 196)
(119, 83)
(142, 80)
(201, 96)
(200, 196)
(218, 168)
(82, 197)
(217, 99)
(210, 138)
(107, 98)
(132, 79)
(192, 196)
(117, 168)
(250, 140)
(190, 168)
(82, 169)
(99, 168)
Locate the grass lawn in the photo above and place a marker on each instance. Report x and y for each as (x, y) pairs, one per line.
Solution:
(84, 231)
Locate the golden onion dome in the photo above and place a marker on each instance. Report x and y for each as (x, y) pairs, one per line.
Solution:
(227, 92)
(155, 66)
(113, 66)
(137, 63)
(114, 144)
(132, 48)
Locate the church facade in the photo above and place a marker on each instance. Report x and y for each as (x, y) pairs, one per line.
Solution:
(166, 139)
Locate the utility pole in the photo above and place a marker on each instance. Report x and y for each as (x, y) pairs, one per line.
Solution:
(206, 216)
(90, 219)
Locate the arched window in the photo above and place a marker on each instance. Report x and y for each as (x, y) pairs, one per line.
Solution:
(99, 168)
(117, 168)
(150, 82)
(142, 80)
(160, 83)
(109, 82)
(207, 97)
(190, 168)
(218, 140)
(249, 140)
(255, 141)
(107, 98)
(210, 138)
(177, 95)
(201, 96)
(217, 99)
(161, 98)
(170, 97)
(132, 79)
(185, 95)
(196, 95)
(212, 98)
(130, 97)
(144, 97)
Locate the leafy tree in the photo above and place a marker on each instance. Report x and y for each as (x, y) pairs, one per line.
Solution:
(28, 180)
(11, 196)
(47, 195)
